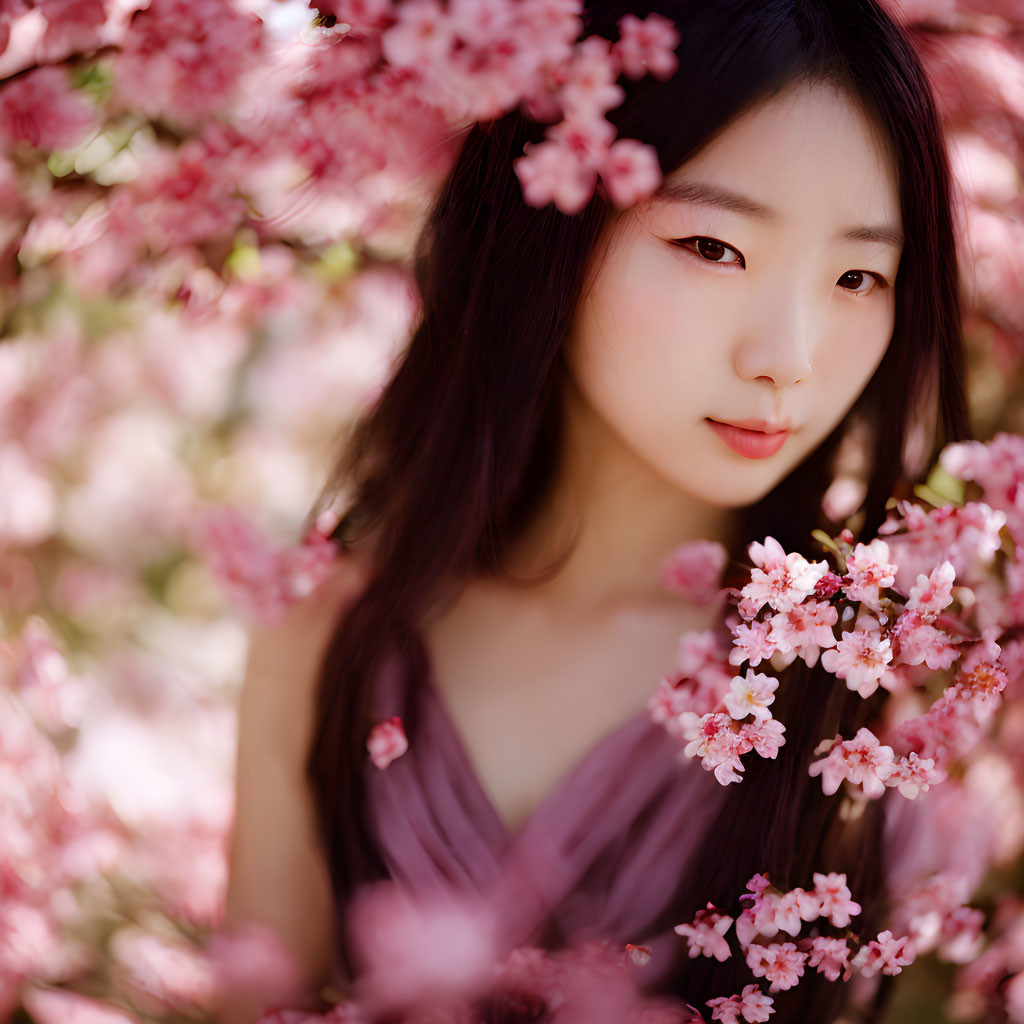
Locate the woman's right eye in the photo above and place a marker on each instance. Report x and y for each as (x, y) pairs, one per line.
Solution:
(710, 250)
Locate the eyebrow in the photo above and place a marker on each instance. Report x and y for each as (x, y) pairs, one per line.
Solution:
(711, 195)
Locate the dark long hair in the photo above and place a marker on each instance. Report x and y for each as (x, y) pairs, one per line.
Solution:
(458, 450)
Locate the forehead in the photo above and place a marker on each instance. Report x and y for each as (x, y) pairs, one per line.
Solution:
(809, 152)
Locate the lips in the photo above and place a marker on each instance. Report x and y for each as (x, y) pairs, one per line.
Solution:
(753, 439)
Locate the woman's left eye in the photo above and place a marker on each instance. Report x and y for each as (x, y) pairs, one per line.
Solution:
(861, 282)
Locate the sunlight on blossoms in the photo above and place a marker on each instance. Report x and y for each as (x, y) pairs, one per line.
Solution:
(207, 217)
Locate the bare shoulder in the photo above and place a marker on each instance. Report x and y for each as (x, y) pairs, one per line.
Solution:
(278, 875)
(285, 656)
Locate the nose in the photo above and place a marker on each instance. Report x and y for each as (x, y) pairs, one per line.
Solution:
(777, 345)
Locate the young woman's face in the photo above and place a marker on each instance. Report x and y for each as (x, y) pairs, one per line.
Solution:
(732, 320)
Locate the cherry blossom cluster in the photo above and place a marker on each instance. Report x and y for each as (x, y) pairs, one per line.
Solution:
(852, 617)
(769, 911)
(437, 959)
(264, 578)
(477, 60)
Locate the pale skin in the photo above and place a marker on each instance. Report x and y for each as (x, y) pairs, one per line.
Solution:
(766, 302)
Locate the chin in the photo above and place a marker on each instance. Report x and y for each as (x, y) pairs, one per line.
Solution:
(730, 489)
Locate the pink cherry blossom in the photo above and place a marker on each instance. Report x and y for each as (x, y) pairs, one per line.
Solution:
(781, 580)
(915, 642)
(668, 702)
(423, 34)
(412, 949)
(829, 955)
(932, 593)
(862, 760)
(751, 695)
(868, 570)
(805, 628)
(998, 467)
(647, 45)
(886, 954)
(914, 774)
(764, 735)
(968, 536)
(961, 937)
(589, 88)
(780, 962)
(184, 59)
(72, 26)
(828, 585)
(751, 1005)
(261, 577)
(387, 740)
(836, 904)
(693, 570)
(703, 656)
(639, 955)
(40, 108)
(860, 657)
(163, 977)
(751, 643)
(706, 935)
(777, 911)
(713, 739)
(551, 172)
(631, 172)
(251, 962)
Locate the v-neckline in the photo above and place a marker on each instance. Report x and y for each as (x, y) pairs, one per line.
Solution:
(461, 751)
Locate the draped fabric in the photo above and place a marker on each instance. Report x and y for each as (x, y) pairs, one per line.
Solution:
(601, 854)
(597, 859)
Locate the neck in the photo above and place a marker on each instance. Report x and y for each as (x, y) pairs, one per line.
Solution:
(611, 517)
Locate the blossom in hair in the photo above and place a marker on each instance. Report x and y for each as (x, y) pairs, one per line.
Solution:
(706, 934)
(387, 740)
(563, 167)
(630, 171)
(751, 1005)
(647, 45)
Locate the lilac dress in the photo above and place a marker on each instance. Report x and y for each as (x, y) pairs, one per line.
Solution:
(600, 855)
(598, 858)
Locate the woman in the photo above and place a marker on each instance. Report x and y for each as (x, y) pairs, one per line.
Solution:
(582, 395)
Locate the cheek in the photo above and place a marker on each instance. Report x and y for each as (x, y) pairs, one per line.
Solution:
(854, 351)
(650, 331)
